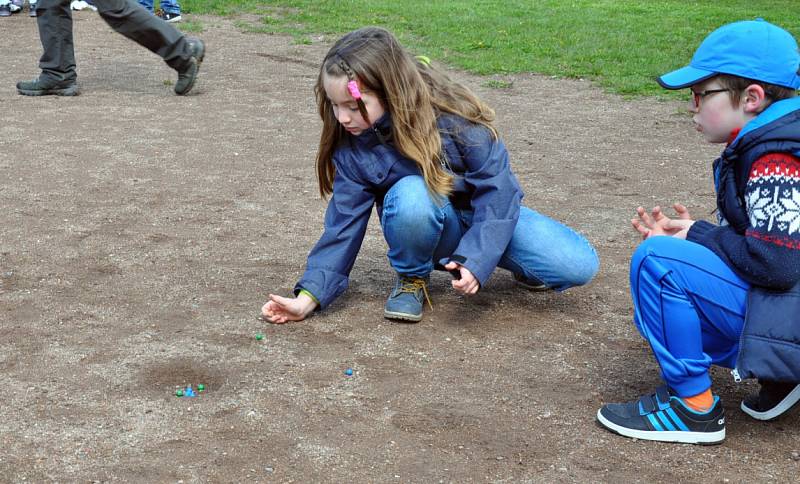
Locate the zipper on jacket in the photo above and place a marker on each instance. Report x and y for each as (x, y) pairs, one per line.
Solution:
(735, 372)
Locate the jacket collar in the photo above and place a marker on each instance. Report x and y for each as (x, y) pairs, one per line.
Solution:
(774, 111)
(380, 133)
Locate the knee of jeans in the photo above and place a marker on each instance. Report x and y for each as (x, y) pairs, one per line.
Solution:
(583, 268)
(408, 203)
(578, 269)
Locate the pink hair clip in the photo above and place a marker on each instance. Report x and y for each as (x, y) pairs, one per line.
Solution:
(352, 86)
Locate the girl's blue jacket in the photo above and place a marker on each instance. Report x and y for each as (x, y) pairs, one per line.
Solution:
(368, 165)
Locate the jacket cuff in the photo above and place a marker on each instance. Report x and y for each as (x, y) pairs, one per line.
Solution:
(698, 230)
(324, 285)
(307, 293)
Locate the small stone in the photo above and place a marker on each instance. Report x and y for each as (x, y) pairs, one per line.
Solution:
(269, 469)
(795, 455)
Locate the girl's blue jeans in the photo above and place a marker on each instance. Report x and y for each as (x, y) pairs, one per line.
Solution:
(169, 6)
(420, 231)
(690, 306)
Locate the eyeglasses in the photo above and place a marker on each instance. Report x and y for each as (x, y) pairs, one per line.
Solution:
(697, 96)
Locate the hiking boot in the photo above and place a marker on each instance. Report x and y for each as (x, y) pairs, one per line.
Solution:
(168, 17)
(531, 284)
(772, 400)
(37, 87)
(406, 299)
(664, 417)
(188, 74)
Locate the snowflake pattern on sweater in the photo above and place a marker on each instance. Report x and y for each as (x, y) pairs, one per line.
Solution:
(772, 199)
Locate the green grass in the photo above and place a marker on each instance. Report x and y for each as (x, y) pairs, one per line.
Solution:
(621, 45)
(194, 26)
(498, 84)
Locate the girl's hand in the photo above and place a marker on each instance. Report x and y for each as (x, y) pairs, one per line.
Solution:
(279, 310)
(656, 223)
(467, 285)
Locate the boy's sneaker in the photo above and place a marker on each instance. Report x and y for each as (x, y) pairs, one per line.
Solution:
(664, 417)
(772, 400)
(168, 17)
(5, 10)
(15, 6)
(188, 74)
(38, 88)
(32, 9)
(530, 284)
(406, 299)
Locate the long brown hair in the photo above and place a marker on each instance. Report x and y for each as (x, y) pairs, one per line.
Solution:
(413, 92)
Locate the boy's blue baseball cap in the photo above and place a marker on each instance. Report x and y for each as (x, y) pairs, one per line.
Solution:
(754, 49)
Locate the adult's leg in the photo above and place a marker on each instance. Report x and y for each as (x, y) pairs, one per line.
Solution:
(545, 250)
(689, 305)
(133, 21)
(54, 19)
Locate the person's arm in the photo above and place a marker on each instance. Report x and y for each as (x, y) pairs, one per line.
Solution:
(332, 258)
(281, 310)
(495, 202)
(768, 253)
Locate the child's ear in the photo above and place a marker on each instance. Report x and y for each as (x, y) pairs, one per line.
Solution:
(754, 99)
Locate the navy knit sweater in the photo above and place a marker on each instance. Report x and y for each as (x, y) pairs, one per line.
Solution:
(767, 252)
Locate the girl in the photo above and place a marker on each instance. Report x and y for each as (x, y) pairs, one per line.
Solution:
(401, 135)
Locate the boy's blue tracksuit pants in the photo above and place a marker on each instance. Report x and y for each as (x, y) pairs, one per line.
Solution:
(690, 306)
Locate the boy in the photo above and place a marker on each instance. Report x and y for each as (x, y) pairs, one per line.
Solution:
(725, 294)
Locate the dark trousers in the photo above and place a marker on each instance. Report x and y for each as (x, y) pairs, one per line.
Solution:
(127, 17)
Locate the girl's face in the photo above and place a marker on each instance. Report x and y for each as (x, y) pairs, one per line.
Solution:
(345, 108)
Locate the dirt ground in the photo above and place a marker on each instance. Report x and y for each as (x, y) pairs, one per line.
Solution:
(141, 232)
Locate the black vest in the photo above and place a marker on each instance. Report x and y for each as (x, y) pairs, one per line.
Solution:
(732, 169)
(770, 343)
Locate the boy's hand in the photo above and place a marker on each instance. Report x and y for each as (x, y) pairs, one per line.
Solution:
(279, 310)
(656, 223)
(682, 211)
(467, 284)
